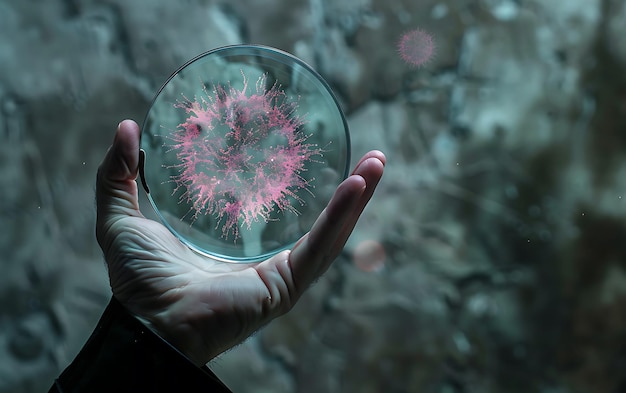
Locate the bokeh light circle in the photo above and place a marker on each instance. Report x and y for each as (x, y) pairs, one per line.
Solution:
(244, 146)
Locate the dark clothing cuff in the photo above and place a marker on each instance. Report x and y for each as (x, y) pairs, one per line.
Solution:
(123, 355)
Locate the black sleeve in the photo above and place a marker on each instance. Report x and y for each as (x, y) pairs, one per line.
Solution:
(122, 355)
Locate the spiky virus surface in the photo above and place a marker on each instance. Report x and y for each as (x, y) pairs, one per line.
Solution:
(241, 154)
(416, 47)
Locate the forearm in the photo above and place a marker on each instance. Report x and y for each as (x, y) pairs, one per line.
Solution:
(123, 355)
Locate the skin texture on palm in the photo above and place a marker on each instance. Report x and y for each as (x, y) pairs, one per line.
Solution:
(201, 306)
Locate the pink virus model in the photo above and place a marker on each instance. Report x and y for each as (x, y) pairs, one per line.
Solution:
(416, 47)
(241, 154)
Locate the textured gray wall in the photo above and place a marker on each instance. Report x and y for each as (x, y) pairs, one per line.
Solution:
(501, 217)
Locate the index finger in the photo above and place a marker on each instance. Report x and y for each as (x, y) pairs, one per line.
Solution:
(313, 253)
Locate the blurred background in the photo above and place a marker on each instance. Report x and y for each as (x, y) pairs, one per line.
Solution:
(491, 259)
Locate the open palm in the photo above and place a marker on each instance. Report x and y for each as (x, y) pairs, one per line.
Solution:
(200, 305)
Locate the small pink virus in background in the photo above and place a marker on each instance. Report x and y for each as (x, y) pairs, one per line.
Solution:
(241, 154)
(416, 47)
(369, 256)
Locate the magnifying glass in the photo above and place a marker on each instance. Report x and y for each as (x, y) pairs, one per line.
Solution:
(241, 150)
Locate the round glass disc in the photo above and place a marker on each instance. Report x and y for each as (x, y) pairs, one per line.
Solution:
(244, 146)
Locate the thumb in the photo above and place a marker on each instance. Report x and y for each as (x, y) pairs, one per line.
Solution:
(116, 189)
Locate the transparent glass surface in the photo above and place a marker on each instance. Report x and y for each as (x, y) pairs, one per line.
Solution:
(244, 146)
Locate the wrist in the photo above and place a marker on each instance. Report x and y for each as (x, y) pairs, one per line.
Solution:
(179, 338)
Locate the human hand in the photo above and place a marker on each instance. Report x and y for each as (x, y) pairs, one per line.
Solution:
(201, 306)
